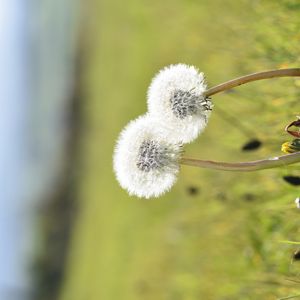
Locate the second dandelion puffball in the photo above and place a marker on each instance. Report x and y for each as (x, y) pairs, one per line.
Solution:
(145, 162)
(176, 99)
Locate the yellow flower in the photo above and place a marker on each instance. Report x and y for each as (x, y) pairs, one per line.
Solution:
(291, 147)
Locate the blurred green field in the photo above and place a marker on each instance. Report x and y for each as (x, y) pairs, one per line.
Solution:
(221, 241)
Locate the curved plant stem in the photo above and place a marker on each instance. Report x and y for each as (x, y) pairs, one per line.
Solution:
(252, 77)
(269, 163)
(263, 164)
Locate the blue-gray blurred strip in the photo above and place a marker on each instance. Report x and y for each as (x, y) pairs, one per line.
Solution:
(37, 47)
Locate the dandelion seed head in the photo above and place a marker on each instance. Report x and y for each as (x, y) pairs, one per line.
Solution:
(151, 156)
(145, 163)
(176, 96)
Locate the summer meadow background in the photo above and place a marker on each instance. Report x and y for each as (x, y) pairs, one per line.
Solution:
(216, 235)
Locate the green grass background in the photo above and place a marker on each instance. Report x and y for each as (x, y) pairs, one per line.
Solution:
(224, 242)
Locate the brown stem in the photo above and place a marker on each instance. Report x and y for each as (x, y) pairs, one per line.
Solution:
(252, 77)
(269, 163)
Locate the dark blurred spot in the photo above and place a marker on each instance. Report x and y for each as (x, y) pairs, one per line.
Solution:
(192, 190)
(221, 197)
(249, 197)
(296, 255)
(251, 145)
(293, 180)
(142, 287)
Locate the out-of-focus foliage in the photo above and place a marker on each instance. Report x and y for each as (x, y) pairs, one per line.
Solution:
(278, 41)
(216, 235)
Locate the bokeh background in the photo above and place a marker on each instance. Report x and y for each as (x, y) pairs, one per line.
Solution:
(74, 74)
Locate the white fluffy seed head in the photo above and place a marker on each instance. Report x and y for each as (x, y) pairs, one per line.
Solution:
(145, 162)
(176, 99)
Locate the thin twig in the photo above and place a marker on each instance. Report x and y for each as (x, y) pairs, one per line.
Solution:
(269, 163)
(252, 77)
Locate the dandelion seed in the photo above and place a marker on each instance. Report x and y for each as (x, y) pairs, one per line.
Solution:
(176, 98)
(297, 201)
(145, 163)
